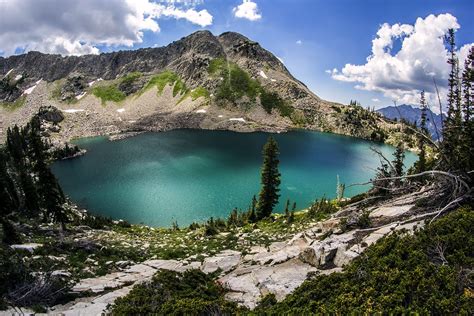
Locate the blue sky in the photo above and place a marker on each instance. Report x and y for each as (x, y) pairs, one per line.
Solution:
(331, 34)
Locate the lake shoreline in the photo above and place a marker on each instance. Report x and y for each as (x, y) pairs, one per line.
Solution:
(181, 159)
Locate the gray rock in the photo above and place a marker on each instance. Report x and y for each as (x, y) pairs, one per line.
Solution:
(28, 247)
(226, 261)
(50, 114)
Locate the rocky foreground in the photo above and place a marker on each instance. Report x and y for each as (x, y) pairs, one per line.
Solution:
(280, 267)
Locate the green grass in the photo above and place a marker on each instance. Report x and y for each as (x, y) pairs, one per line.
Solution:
(216, 66)
(196, 94)
(12, 106)
(199, 92)
(167, 78)
(131, 77)
(108, 93)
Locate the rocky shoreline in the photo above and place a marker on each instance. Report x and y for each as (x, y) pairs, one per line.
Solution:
(277, 268)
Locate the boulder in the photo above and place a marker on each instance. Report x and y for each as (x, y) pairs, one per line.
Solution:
(50, 114)
(343, 256)
(226, 261)
(74, 86)
(321, 254)
(28, 247)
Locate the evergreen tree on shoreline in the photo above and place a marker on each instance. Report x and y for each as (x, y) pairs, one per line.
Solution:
(420, 165)
(270, 179)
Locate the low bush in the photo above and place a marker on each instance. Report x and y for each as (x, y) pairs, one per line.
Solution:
(172, 293)
(321, 209)
(427, 273)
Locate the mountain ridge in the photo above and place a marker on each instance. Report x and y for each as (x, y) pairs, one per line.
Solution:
(249, 83)
(412, 114)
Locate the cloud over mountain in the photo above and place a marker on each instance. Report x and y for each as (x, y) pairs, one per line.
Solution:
(247, 10)
(78, 27)
(403, 74)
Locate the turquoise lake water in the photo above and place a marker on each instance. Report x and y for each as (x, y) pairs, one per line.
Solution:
(191, 175)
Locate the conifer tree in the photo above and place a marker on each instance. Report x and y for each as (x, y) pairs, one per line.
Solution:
(31, 203)
(252, 211)
(52, 196)
(399, 156)
(287, 208)
(270, 179)
(420, 165)
(450, 136)
(468, 111)
(8, 198)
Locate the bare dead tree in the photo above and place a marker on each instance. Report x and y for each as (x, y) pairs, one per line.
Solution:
(455, 189)
(44, 289)
(437, 252)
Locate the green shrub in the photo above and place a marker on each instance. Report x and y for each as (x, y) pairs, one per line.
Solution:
(236, 82)
(108, 93)
(271, 100)
(172, 293)
(298, 118)
(364, 221)
(426, 273)
(321, 209)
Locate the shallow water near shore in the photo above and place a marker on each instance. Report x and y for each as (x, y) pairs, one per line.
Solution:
(192, 175)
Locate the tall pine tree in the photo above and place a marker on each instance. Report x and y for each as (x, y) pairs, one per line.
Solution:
(451, 133)
(399, 156)
(468, 111)
(270, 179)
(420, 165)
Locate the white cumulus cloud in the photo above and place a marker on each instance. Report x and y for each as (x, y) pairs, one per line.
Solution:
(375, 100)
(247, 10)
(79, 27)
(299, 42)
(403, 74)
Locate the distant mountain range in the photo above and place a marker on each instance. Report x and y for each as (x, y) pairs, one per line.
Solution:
(413, 114)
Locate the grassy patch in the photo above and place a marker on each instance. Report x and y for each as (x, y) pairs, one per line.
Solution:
(167, 78)
(216, 66)
(131, 77)
(196, 94)
(108, 93)
(12, 106)
(298, 118)
(199, 92)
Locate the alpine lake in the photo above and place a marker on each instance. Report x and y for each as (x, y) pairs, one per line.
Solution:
(192, 175)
